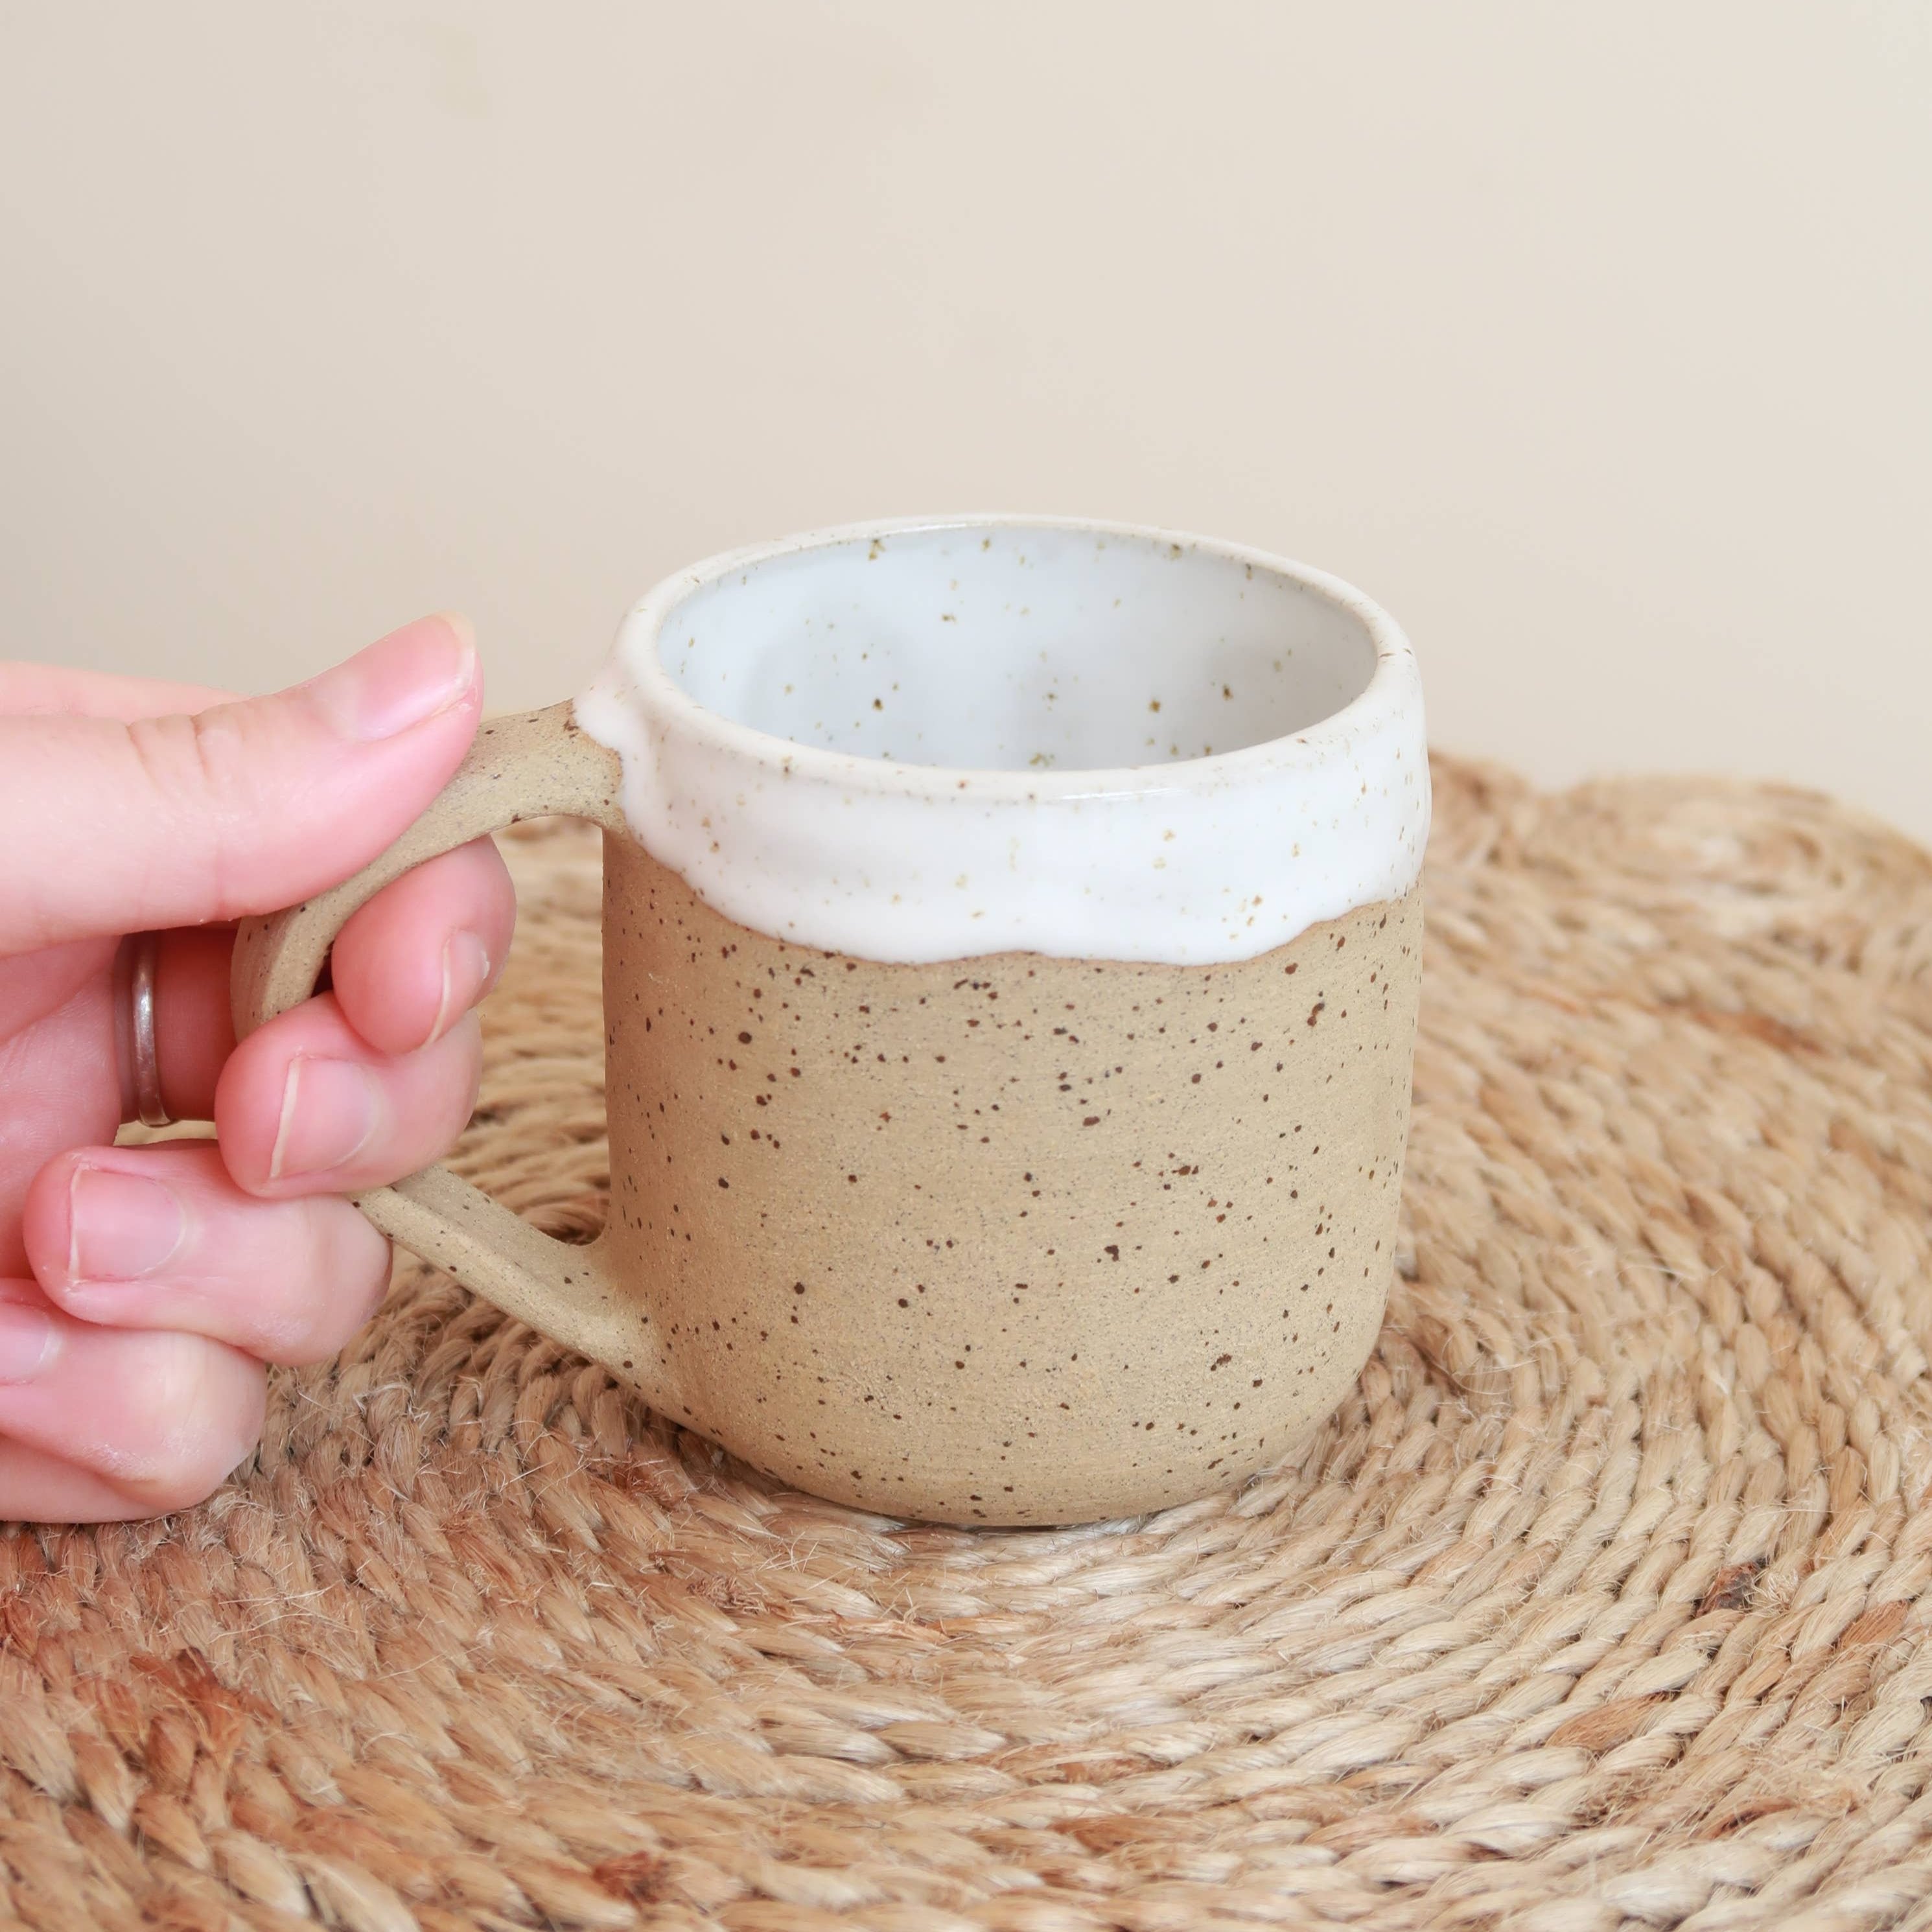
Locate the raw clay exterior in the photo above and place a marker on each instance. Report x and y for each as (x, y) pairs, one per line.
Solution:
(1010, 1239)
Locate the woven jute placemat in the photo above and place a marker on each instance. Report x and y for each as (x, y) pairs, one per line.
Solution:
(1599, 1603)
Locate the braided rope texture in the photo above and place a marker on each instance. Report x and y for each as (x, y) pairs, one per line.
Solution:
(1601, 1603)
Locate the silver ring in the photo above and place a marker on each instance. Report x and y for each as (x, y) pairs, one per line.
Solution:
(146, 1059)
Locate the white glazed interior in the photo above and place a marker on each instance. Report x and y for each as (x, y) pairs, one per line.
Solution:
(1016, 649)
(940, 739)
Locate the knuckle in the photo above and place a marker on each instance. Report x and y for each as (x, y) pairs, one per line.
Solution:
(193, 1414)
(349, 1281)
(450, 1109)
(196, 759)
(198, 768)
(365, 1292)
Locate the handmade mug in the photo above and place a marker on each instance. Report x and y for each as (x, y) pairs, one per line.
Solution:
(1011, 939)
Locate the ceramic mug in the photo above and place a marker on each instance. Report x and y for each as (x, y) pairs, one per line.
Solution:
(1011, 939)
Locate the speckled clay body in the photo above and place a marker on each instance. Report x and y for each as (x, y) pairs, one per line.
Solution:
(1010, 1239)
(1012, 944)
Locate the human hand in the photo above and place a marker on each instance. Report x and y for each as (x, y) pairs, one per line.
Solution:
(143, 1289)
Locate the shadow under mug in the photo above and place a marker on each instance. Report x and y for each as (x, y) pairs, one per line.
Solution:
(1011, 947)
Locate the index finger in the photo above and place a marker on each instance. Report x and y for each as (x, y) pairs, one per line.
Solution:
(238, 808)
(42, 691)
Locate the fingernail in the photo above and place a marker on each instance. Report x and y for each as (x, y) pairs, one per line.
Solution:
(409, 676)
(466, 972)
(329, 1110)
(26, 1341)
(120, 1226)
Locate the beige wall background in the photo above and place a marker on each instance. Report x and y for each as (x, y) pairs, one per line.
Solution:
(1594, 341)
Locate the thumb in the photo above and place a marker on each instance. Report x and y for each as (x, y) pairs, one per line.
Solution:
(242, 808)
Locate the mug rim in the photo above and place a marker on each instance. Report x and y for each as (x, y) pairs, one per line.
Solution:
(1394, 685)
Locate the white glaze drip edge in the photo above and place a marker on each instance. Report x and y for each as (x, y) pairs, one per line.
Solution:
(1202, 861)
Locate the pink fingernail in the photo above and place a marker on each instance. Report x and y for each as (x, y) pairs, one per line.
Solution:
(329, 1110)
(27, 1341)
(120, 1226)
(408, 677)
(466, 972)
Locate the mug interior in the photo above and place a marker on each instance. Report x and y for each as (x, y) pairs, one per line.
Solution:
(1012, 647)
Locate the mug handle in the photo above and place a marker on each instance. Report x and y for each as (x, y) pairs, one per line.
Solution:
(518, 767)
